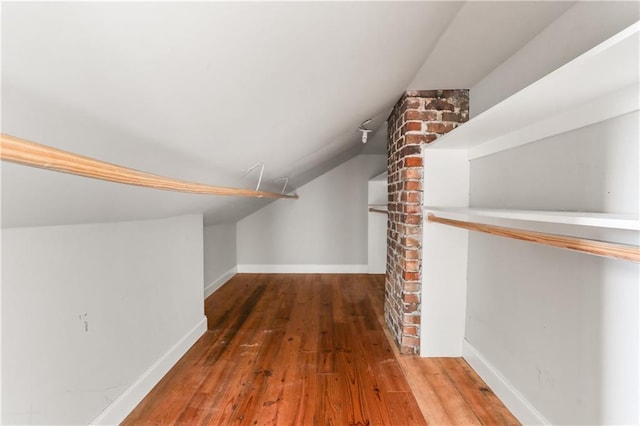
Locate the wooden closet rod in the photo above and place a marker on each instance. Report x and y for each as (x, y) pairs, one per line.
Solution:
(371, 209)
(599, 248)
(20, 151)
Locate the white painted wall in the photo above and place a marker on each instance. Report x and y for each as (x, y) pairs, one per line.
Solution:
(220, 257)
(589, 169)
(580, 28)
(88, 309)
(444, 263)
(325, 230)
(377, 225)
(1, 315)
(562, 328)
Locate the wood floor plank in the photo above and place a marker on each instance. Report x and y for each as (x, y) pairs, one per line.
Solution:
(310, 307)
(248, 387)
(447, 393)
(417, 374)
(491, 400)
(402, 410)
(329, 406)
(353, 390)
(426, 395)
(310, 350)
(469, 391)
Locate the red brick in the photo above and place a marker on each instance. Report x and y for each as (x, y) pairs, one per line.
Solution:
(439, 105)
(412, 276)
(411, 253)
(409, 242)
(413, 173)
(455, 94)
(436, 127)
(410, 150)
(410, 330)
(413, 162)
(414, 219)
(411, 319)
(410, 308)
(408, 350)
(413, 185)
(421, 115)
(413, 230)
(447, 108)
(412, 208)
(430, 138)
(411, 287)
(415, 139)
(412, 103)
(431, 116)
(413, 126)
(411, 298)
(413, 197)
(411, 341)
(452, 116)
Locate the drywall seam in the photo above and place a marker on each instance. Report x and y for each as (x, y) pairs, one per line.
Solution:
(519, 406)
(304, 269)
(220, 281)
(120, 408)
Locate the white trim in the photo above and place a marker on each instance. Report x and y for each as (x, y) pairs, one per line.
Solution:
(216, 284)
(304, 269)
(120, 408)
(524, 411)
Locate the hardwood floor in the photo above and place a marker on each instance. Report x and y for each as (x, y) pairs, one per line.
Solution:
(310, 350)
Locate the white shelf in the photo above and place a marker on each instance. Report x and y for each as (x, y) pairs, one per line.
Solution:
(598, 85)
(600, 220)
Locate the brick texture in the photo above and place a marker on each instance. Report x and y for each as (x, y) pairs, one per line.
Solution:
(419, 118)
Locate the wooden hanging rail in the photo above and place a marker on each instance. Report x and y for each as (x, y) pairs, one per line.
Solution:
(20, 151)
(599, 248)
(374, 210)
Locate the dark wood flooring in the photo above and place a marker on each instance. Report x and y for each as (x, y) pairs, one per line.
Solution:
(311, 350)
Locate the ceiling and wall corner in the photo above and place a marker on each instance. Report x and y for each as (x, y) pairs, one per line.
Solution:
(482, 36)
(201, 91)
(323, 231)
(570, 35)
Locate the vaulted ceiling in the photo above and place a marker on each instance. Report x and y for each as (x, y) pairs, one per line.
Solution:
(202, 91)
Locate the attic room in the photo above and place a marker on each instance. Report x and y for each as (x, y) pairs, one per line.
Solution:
(397, 213)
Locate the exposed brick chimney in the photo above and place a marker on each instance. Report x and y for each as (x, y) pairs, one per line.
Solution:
(418, 118)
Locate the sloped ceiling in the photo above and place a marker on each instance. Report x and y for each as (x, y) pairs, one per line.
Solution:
(202, 91)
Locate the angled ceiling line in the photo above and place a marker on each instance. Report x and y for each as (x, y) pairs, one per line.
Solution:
(435, 44)
(27, 153)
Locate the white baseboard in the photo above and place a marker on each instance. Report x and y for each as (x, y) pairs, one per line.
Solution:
(120, 408)
(524, 411)
(208, 290)
(304, 269)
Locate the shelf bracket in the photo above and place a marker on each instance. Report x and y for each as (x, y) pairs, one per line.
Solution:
(282, 179)
(255, 166)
